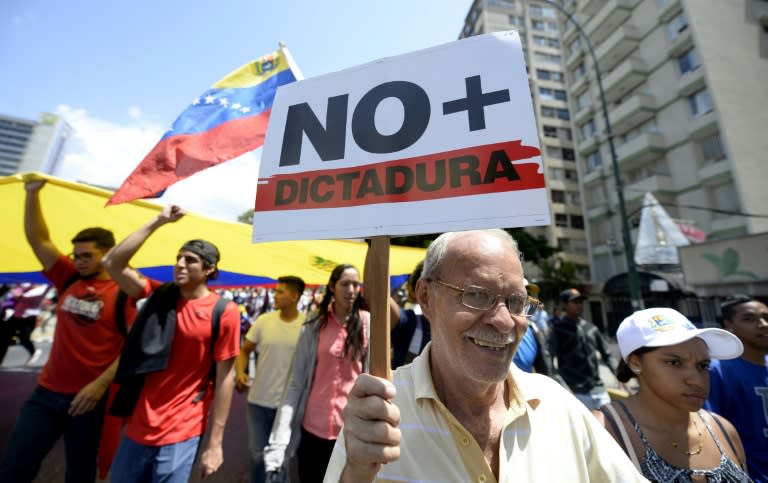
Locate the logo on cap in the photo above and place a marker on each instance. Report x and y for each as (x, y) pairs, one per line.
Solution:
(660, 323)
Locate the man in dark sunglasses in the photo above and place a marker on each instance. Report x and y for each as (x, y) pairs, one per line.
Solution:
(69, 400)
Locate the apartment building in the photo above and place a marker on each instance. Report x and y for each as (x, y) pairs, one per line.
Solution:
(685, 86)
(27, 145)
(540, 36)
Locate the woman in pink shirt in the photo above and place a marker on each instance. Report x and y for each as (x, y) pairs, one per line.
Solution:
(329, 357)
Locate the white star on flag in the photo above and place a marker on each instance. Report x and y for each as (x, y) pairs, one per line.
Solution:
(245, 109)
(196, 101)
(209, 99)
(236, 106)
(224, 102)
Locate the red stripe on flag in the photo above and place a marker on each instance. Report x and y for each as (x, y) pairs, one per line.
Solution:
(178, 157)
(463, 172)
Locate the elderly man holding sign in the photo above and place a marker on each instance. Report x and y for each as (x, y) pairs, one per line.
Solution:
(461, 411)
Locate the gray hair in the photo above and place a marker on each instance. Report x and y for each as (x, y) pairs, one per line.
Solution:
(439, 247)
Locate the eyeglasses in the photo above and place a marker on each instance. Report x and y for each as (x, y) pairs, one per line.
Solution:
(85, 256)
(480, 298)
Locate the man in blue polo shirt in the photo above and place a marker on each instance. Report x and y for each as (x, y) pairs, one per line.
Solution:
(739, 387)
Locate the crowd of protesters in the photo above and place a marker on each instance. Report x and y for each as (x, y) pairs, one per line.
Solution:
(698, 411)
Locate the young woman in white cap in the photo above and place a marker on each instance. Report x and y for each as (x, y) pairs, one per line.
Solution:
(662, 427)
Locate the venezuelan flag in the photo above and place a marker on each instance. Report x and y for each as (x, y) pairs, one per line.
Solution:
(227, 120)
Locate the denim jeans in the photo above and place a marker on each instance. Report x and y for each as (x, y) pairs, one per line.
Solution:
(260, 421)
(43, 419)
(140, 463)
(594, 400)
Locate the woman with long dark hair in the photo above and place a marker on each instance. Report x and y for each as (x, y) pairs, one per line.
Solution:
(331, 353)
(663, 428)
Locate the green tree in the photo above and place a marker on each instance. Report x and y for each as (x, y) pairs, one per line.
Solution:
(557, 275)
(534, 248)
(246, 217)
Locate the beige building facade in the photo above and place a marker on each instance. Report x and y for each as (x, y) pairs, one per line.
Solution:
(686, 88)
(539, 29)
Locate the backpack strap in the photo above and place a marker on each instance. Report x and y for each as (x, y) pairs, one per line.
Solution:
(218, 311)
(121, 301)
(614, 420)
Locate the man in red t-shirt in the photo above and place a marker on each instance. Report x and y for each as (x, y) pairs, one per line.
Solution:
(69, 399)
(166, 423)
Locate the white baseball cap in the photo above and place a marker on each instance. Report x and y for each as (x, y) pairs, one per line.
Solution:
(659, 327)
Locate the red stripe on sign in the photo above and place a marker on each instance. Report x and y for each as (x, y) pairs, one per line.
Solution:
(463, 172)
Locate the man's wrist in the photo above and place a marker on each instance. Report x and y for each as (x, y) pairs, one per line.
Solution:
(350, 475)
(213, 445)
(102, 382)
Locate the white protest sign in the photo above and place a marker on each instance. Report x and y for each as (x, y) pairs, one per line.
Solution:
(436, 140)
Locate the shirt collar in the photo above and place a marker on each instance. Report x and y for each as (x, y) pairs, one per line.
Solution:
(523, 391)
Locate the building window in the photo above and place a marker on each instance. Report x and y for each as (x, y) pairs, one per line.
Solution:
(700, 103)
(550, 94)
(648, 126)
(517, 20)
(676, 26)
(583, 272)
(554, 153)
(588, 129)
(579, 71)
(569, 154)
(577, 222)
(543, 26)
(573, 245)
(561, 220)
(547, 111)
(574, 198)
(571, 175)
(565, 133)
(540, 11)
(558, 196)
(574, 46)
(551, 58)
(711, 148)
(724, 198)
(594, 161)
(688, 62)
(546, 41)
(544, 74)
(584, 100)
(556, 174)
(550, 131)
(563, 114)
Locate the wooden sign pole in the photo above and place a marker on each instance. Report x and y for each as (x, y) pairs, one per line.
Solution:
(376, 283)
